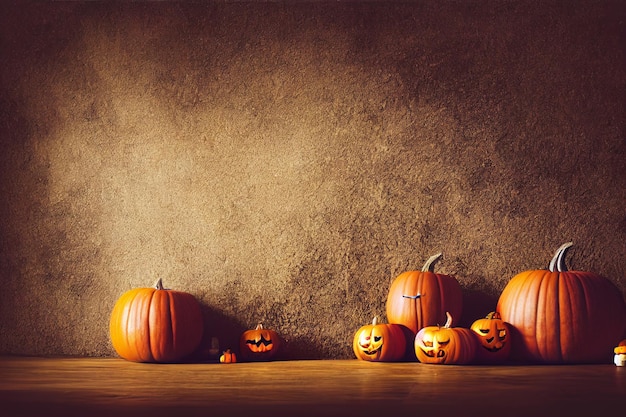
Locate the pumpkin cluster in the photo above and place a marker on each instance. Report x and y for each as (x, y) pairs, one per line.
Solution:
(160, 325)
(544, 316)
(552, 316)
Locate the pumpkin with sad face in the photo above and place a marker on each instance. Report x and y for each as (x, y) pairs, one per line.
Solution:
(379, 342)
(494, 336)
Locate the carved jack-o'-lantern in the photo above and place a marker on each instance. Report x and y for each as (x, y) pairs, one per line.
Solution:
(446, 345)
(494, 336)
(260, 344)
(378, 342)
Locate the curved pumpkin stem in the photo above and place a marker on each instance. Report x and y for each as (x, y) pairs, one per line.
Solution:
(448, 321)
(259, 327)
(558, 260)
(494, 315)
(429, 266)
(375, 321)
(159, 284)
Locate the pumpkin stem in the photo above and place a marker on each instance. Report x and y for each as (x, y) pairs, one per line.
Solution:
(259, 327)
(159, 284)
(429, 266)
(558, 260)
(493, 315)
(448, 321)
(375, 321)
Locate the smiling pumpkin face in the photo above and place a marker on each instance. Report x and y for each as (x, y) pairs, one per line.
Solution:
(379, 342)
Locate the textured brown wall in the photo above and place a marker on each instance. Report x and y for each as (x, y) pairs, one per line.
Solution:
(284, 162)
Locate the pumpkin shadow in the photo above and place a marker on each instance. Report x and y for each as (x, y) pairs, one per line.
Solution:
(221, 332)
(476, 305)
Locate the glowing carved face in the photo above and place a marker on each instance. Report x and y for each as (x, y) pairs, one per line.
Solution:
(493, 338)
(371, 342)
(493, 335)
(434, 345)
(379, 342)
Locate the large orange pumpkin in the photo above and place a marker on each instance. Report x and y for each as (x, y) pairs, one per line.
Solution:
(418, 299)
(562, 316)
(446, 345)
(379, 342)
(156, 325)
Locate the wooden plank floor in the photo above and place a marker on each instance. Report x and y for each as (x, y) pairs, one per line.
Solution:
(115, 387)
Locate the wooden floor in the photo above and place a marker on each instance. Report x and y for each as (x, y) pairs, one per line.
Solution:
(115, 387)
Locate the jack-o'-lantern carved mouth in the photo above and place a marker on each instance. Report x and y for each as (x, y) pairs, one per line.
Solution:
(431, 353)
(256, 344)
(429, 349)
(488, 343)
(491, 348)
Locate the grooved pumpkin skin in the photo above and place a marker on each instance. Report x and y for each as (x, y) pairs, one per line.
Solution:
(156, 325)
(563, 317)
(440, 293)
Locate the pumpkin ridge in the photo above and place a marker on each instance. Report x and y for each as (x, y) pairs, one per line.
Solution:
(148, 340)
(161, 344)
(128, 313)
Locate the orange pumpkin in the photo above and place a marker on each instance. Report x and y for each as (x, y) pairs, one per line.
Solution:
(620, 349)
(494, 336)
(379, 342)
(156, 325)
(446, 345)
(562, 316)
(260, 344)
(228, 357)
(418, 299)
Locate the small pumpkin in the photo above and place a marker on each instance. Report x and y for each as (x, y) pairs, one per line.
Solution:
(379, 342)
(260, 344)
(494, 335)
(417, 299)
(228, 357)
(446, 345)
(620, 354)
(562, 316)
(156, 325)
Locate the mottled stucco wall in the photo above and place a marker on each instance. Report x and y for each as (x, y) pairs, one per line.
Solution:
(283, 162)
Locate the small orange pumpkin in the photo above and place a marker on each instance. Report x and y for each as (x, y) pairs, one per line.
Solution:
(446, 345)
(228, 357)
(494, 336)
(156, 325)
(620, 349)
(260, 344)
(378, 342)
(417, 299)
